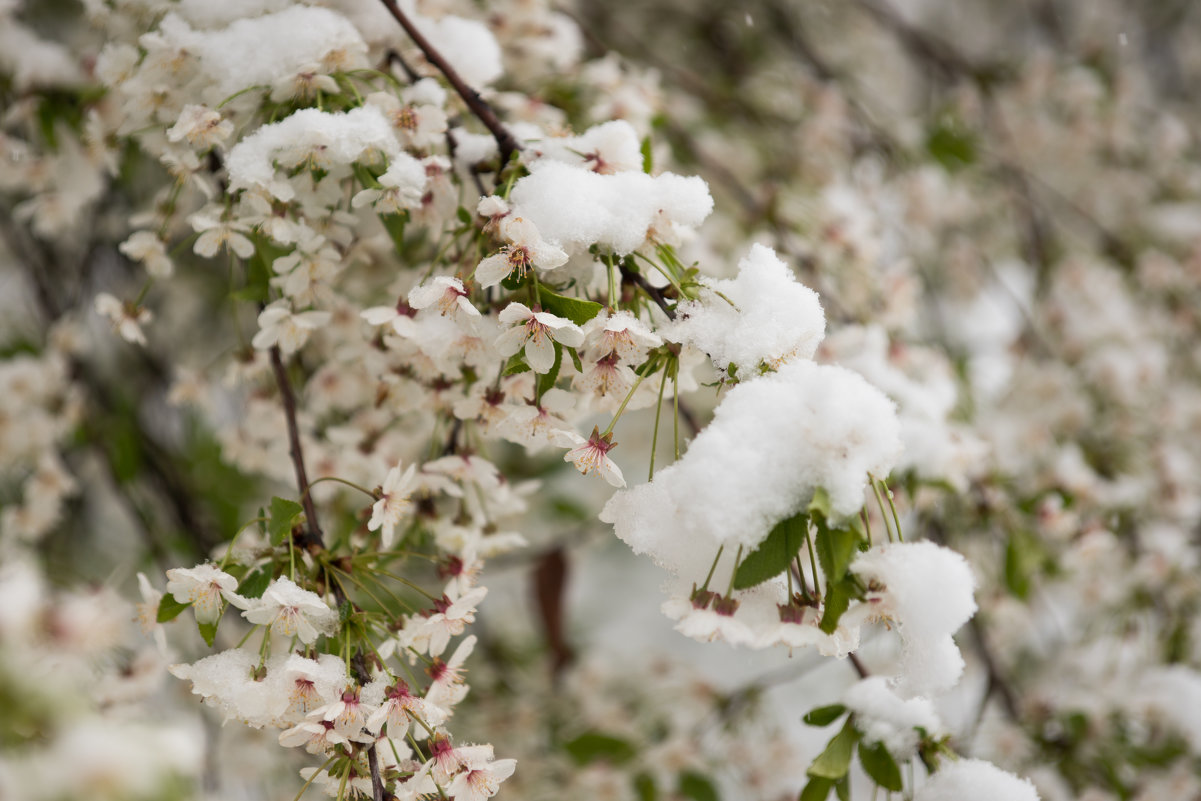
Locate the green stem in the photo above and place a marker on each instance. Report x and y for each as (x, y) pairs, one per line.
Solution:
(237, 94)
(345, 773)
(318, 772)
(800, 571)
(359, 487)
(655, 435)
(893, 507)
(812, 561)
(883, 511)
(410, 584)
(737, 559)
(247, 636)
(622, 407)
(229, 548)
(675, 388)
(713, 567)
(613, 297)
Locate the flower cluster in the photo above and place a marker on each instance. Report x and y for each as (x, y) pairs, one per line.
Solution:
(345, 313)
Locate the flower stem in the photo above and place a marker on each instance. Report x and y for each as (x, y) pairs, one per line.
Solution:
(812, 561)
(713, 567)
(880, 503)
(359, 487)
(622, 407)
(655, 435)
(737, 559)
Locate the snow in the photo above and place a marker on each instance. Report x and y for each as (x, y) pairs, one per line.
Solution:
(928, 591)
(577, 207)
(1172, 694)
(219, 13)
(884, 717)
(264, 50)
(762, 316)
(34, 62)
(977, 780)
(322, 138)
(772, 442)
(608, 148)
(467, 44)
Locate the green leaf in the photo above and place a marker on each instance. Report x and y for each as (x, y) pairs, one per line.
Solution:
(816, 790)
(394, 224)
(835, 761)
(575, 360)
(842, 788)
(169, 608)
(283, 515)
(648, 156)
(464, 215)
(645, 787)
(1023, 556)
(574, 309)
(838, 599)
(258, 273)
(546, 382)
(835, 549)
(515, 365)
(697, 787)
(255, 583)
(879, 764)
(951, 144)
(513, 282)
(824, 715)
(365, 177)
(593, 746)
(209, 632)
(771, 558)
(819, 504)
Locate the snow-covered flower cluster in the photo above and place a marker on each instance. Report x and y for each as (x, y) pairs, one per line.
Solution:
(336, 316)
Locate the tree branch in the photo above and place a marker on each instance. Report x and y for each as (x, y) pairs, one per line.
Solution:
(504, 140)
(312, 538)
(639, 280)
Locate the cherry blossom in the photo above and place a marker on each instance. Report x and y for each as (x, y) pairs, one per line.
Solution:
(591, 454)
(536, 331)
(279, 325)
(291, 611)
(526, 250)
(386, 513)
(203, 587)
(126, 318)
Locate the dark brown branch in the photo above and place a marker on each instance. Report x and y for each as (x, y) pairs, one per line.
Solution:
(362, 675)
(504, 140)
(639, 280)
(550, 590)
(312, 537)
(377, 784)
(393, 57)
(859, 668)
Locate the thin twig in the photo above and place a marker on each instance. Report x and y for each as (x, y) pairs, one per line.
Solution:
(504, 140)
(312, 538)
(639, 280)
